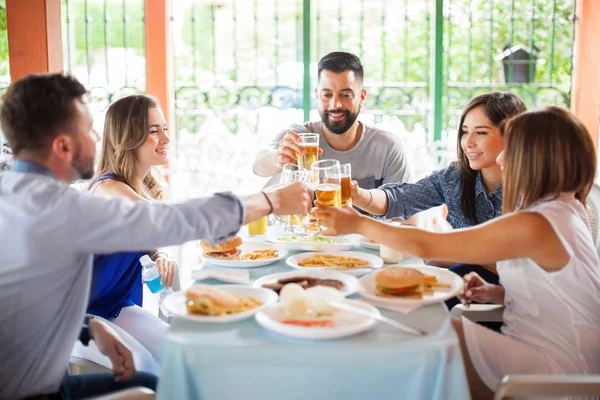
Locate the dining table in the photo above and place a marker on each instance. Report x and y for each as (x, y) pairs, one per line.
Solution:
(242, 360)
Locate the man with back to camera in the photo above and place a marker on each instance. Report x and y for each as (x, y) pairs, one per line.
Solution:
(377, 157)
(50, 231)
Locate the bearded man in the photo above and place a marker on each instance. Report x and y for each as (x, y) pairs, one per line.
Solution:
(376, 156)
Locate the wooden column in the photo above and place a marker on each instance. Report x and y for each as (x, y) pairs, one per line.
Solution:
(159, 56)
(585, 93)
(34, 37)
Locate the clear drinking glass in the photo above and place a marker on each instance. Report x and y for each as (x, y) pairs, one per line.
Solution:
(327, 180)
(346, 179)
(310, 141)
(293, 173)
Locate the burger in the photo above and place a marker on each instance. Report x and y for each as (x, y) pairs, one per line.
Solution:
(207, 300)
(228, 250)
(399, 282)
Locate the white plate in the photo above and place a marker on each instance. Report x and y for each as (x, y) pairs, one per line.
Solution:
(375, 262)
(347, 324)
(366, 287)
(247, 246)
(176, 304)
(350, 282)
(366, 242)
(340, 243)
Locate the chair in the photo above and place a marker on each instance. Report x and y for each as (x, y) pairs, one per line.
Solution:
(541, 385)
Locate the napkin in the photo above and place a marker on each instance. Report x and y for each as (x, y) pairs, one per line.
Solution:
(231, 276)
(401, 308)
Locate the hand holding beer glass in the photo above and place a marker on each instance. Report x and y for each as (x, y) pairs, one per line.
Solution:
(292, 148)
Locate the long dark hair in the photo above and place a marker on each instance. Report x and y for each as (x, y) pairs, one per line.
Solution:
(497, 107)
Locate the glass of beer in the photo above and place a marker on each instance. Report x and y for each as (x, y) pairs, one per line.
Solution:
(327, 182)
(293, 173)
(310, 141)
(346, 179)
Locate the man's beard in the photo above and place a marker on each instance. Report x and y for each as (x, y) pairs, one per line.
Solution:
(339, 127)
(83, 166)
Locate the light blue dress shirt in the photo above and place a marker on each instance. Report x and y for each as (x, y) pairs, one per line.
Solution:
(48, 233)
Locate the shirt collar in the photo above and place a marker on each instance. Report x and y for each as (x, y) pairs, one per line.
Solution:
(33, 168)
(480, 189)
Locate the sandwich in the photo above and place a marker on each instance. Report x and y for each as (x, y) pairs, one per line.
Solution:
(407, 283)
(228, 250)
(207, 300)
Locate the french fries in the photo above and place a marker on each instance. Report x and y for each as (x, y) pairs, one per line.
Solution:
(333, 261)
(259, 254)
(245, 304)
(431, 284)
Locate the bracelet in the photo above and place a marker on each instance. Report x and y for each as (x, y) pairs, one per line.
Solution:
(370, 201)
(269, 201)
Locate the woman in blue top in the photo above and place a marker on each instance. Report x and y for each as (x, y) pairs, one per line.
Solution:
(470, 187)
(135, 140)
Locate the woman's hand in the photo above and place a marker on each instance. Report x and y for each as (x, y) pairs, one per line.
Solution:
(337, 221)
(478, 290)
(167, 269)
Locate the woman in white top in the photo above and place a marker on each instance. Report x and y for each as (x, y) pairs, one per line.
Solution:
(546, 260)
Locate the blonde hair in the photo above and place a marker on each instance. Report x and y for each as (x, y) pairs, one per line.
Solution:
(125, 129)
(547, 152)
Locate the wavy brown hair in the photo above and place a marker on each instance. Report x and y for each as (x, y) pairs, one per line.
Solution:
(126, 128)
(547, 152)
(497, 107)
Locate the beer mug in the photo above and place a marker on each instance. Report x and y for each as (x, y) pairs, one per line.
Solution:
(345, 181)
(310, 142)
(327, 182)
(293, 173)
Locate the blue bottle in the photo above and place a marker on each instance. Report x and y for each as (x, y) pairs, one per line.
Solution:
(151, 278)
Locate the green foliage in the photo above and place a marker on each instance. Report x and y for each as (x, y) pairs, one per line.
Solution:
(96, 24)
(4, 66)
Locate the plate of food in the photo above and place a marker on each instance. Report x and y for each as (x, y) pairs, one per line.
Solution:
(304, 314)
(367, 243)
(291, 241)
(345, 283)
(349, 262)
(235, 253)
(219, 304)
(410, 285)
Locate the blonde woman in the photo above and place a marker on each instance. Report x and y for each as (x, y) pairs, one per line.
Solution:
(135, 140)
(546, 259)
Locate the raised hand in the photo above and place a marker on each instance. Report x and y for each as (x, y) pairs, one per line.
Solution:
(292, 199)
(288, 150)
(337, 221)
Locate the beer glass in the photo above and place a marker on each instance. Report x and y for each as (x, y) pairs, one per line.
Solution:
(327, 182)
(293, 173)
(310, 142)
(346, 179)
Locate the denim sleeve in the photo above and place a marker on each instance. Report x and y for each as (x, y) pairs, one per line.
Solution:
(406, 199)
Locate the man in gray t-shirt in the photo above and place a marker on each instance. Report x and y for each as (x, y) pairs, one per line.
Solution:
(377, 157)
